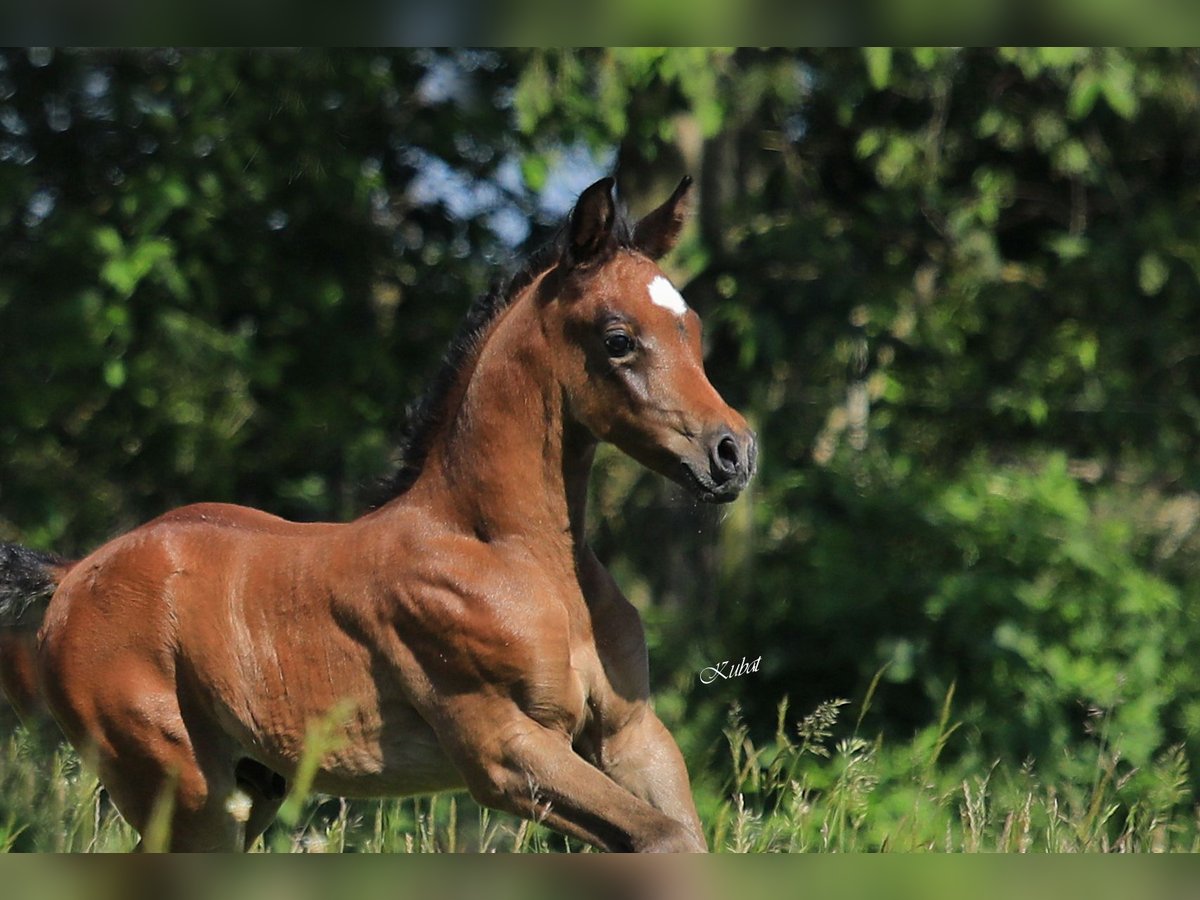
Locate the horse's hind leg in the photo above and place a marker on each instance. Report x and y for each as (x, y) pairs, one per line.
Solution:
(154, 762)
(146, 782)
(154, 773)
(266, 790)
(18, 677)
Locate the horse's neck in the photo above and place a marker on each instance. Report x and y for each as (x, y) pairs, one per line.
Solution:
(505, 463)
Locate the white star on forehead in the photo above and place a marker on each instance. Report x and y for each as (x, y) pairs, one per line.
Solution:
(663, 293)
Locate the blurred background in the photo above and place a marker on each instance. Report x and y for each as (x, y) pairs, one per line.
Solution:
(957, 292)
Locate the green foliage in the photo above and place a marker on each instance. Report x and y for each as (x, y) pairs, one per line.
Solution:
(183, 236)
(946, 298)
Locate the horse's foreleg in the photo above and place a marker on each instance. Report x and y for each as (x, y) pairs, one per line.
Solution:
(524, 768)
(643, 758)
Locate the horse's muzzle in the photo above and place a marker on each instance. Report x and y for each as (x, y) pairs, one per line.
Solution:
(731, 461)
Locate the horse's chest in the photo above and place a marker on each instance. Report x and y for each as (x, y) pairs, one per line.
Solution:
(584, 674)
(559, 676)
(591, 690)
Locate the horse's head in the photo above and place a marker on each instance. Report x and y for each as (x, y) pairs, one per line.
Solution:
(629, 351)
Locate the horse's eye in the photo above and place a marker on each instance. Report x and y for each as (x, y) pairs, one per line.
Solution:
(618, 344)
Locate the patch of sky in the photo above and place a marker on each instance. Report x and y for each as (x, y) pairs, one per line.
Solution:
(14, 152)
(58, 113)
(571, 169)
(96, 101)
(502, 200)
(39, 207)
(442, 81)
(11, 121)
(449, 78)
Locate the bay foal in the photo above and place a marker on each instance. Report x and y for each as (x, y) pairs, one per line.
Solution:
(464, 630)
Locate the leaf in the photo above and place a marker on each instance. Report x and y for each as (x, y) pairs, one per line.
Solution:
(1087, 352)
(1073, 158)
(175, 192)
(533, 97)
(1118, 87)
(114, 373)
(879, 66)
(1038, 410)
(1152, 274)
(124, 273)
(1084, 92)
(107, 240)
(534, 170)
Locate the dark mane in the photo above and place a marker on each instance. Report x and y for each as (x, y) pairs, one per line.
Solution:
(424, 416)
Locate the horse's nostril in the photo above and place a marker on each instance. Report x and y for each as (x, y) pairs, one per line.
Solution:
(726, 457)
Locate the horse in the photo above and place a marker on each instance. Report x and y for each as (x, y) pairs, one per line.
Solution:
(463, 633)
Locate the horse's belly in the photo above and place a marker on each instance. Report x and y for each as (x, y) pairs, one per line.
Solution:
(376, 750)
(405, 758)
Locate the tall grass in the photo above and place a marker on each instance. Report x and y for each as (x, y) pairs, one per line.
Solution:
(811, 790)
(817, 785)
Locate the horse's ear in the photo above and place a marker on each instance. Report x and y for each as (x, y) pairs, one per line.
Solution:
(656, 234)
(592, 222)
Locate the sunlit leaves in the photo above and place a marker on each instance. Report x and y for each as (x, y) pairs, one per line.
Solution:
(594, 90)
(207, 221)
(879, 66)
(1152, 273)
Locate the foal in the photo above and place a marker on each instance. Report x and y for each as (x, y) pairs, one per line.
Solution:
(465, 628)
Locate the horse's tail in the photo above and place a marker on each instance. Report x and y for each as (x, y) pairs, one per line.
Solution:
(28, 579)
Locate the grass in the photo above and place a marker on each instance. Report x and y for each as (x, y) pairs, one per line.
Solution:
(817, 785)
(817, 793)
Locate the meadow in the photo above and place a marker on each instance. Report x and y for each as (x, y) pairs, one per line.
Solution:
(818, 786)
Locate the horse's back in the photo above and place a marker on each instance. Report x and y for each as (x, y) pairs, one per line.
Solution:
(237, 518)
(136, 577)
